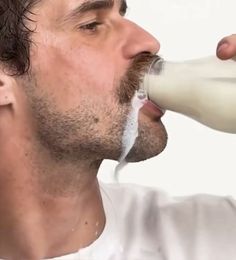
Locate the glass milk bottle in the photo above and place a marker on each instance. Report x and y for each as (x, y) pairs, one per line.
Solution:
(203, 89)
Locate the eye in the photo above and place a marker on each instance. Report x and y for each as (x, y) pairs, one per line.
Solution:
(91, 27)
(123, 8)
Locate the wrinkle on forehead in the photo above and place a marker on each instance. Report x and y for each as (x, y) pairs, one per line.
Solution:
(55, 9)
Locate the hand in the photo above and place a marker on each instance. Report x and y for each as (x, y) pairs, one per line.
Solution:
(226, 48)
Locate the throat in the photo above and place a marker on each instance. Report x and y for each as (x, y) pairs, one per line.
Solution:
(38, 225)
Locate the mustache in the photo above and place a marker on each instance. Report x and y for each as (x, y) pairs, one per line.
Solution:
(131, 81)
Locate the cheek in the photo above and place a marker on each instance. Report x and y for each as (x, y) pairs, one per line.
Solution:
(75, 74)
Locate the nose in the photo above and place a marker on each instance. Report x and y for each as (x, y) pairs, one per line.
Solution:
(136, 40)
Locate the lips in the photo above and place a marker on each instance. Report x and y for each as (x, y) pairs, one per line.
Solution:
(152, 110)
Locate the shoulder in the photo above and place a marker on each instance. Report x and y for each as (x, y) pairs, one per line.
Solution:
(184, 226)
(204, 204)
(214, 213)
(200, 202)
(200, 207)
(132, 193)
(160, 198)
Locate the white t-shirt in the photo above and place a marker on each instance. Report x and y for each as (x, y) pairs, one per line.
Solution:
(146, 224)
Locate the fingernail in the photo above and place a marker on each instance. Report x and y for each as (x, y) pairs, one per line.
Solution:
(222, 47)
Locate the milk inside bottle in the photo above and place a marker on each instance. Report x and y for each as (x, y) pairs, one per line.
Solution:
(203, 89)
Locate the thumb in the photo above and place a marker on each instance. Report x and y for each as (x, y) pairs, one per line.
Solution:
(226, 48)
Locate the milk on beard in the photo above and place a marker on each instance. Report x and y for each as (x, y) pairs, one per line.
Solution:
(131, 130)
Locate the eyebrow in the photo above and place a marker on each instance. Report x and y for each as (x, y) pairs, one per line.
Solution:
(93, 5)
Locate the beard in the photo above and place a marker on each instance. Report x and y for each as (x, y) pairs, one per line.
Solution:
(93, 130)
(152, 136)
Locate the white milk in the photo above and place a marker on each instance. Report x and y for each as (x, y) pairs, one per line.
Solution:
(131, 130)
(203, 89)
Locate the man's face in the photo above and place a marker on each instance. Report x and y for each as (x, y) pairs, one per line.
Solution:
(80, 58)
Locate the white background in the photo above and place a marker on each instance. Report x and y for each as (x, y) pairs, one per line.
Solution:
(197, 159)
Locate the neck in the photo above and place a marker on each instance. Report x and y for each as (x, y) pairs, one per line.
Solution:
(47, 211)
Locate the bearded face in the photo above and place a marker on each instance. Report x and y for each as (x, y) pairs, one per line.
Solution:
(82, 82)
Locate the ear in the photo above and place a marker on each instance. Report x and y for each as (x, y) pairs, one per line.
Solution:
(7, 84)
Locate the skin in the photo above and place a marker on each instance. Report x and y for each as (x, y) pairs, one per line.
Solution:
(60, 122)
(226, 48)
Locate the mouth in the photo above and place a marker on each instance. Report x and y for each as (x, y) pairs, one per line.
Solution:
(152, 111)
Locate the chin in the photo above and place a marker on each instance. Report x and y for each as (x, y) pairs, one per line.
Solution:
(150, 143)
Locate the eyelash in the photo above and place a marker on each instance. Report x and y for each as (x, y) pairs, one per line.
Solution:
(91, 27)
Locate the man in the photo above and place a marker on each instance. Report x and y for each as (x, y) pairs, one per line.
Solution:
(69, 70)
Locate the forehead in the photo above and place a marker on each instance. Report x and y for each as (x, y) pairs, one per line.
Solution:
(67, 5)
(55, 11)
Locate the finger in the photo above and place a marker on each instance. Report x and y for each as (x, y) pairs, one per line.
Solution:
(226, 48)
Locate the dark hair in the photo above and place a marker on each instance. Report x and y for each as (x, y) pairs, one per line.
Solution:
(15, 35)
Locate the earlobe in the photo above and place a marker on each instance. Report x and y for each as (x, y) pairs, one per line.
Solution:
(6, 90)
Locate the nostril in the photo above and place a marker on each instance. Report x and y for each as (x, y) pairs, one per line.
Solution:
(146, 53)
